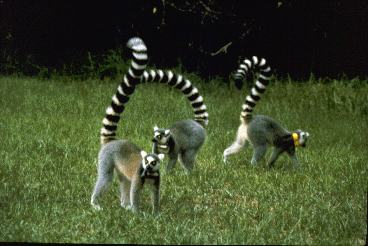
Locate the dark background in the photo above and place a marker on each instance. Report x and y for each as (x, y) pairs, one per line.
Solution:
(326, 38)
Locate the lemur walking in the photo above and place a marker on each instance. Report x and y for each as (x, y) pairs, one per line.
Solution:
(133, 166)
(182, 140)
(262, 131)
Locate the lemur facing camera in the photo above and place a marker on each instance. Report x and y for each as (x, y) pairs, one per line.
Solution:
(132, 166)
(182, 140)
(262, 131)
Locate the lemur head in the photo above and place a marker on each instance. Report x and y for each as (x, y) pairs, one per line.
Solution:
(151, 162)
(300, 138)
(161, 136)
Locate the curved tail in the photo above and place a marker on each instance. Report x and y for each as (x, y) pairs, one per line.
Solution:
(125, 89)
(260, 66)
(177, 81)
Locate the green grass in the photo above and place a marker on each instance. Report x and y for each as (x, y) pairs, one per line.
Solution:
(50, 142)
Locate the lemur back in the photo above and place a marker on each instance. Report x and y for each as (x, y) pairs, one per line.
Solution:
(132, 166)
(262, 131)
(182, 140)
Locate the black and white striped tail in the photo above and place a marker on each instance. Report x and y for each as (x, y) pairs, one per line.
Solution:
(125, 89)
(260, 66)
(177, 81)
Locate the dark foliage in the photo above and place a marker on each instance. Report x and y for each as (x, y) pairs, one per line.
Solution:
(327, 38)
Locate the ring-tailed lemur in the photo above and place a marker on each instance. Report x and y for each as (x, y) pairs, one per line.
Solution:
(261, 130)
(132, 165)
(183, 139)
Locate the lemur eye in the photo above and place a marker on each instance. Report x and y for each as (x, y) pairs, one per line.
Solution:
(146, 161)
(159, 136)
(154, 163)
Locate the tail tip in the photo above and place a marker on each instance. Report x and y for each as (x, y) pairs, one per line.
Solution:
(134, 42)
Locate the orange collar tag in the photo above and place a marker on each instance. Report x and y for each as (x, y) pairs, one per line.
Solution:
(296, 139)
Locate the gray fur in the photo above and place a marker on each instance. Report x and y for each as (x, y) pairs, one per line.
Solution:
(126, 160)
(186, 137)
(262, 131)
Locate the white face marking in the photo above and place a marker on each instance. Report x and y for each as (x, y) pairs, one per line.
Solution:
(143, 154)
(156, 133)
(303, 137)
(150, 159)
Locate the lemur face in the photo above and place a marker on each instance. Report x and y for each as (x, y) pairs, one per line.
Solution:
(161, 136)
(152, 162)
(303, 137)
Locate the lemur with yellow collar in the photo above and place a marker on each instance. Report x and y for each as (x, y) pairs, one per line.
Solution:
(262, 131)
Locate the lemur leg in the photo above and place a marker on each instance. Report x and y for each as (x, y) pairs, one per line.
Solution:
(136, 187)
(125, 191)
(294, 159)
(259, 153)
(155, 196)
(186, 159)
(173, 158)
(236, 147)
(103, 182)
(275, 154)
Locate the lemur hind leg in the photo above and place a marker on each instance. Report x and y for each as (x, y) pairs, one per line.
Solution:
(186, 159)
(104, 180)
(274, 155)
(173, 158)
(236, 147)
(135, 194)
(259, 153)
(125, 185)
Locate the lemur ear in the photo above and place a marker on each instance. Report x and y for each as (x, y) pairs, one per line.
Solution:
(161, 156)
(155, 128)
(143, 154)
(167, 132)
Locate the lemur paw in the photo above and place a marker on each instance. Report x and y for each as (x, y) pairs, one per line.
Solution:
(96, 206)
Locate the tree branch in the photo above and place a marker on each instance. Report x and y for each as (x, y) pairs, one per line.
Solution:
(223, 49)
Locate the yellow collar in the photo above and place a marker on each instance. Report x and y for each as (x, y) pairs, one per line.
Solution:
(296, 139)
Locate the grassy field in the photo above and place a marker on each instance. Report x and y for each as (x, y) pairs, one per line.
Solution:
(50, 142)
